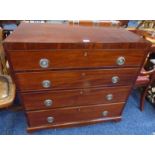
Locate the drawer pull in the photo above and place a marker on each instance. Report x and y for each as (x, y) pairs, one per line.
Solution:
(105, 113)
(46, 83)
(115, 79)
(85, 54)
(48, 103)
(120, 61)
(44, 63)
(109, 97)
(50, 119)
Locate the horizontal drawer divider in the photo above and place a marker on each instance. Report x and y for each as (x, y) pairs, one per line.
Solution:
(82, 88)
(72, 107)
(76, 69)
(61, 89)
(75, 107)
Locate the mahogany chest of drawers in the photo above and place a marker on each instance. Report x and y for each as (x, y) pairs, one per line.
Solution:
(73, 75)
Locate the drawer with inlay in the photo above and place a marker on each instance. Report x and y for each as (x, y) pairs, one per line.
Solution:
(71, 98)
(56, 59)
(52, 80)
(74, 115)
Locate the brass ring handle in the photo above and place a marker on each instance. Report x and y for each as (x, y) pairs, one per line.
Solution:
(44, 63)
(48, 102)
(120, 61)
(109, 97)
(46, 83)
(115, 79)
(50, 119)
(105, 113)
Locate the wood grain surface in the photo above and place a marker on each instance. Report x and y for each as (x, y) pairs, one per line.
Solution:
(66, 59)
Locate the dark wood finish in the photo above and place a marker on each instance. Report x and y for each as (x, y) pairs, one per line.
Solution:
(74, 124)
(57, 33)
(76, 114)
(29, 60)
(145, 79)
(82, 63)
(52, 36)
(75, 79)
(44, 46)
(71, 98)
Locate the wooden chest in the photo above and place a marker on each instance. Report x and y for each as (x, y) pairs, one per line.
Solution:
(73, 75)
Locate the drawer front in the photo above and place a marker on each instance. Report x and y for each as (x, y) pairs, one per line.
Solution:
(76, 114)
(52, 80)
(64, 59)
(71, 98)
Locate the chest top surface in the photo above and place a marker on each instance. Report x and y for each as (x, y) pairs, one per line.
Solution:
(30, 33)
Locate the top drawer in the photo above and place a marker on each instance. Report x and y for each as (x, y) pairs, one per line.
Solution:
(65, 59)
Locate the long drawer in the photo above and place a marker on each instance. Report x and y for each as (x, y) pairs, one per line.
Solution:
(65, 59)
(73, 115)
(71, 98)
(52, 80)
